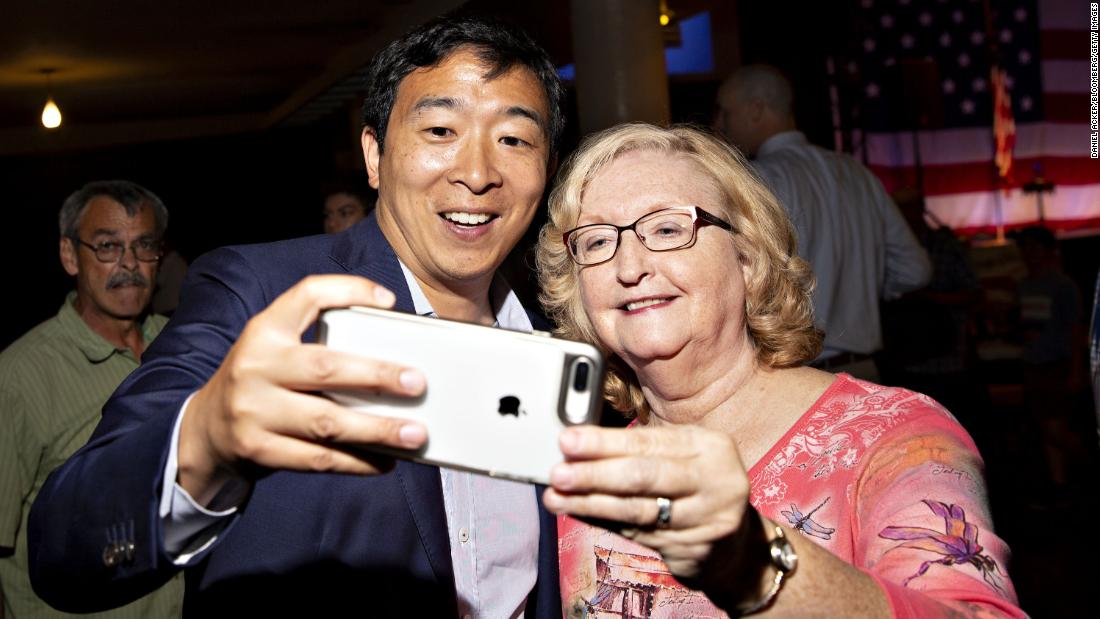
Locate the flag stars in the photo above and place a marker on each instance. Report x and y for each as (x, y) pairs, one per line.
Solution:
(1006, 36)
(978, 85)
(907, 41)
(887, 21)
(976, 38)
(925, 18)
(853, 67)
(1020, 14)
(963, 59)
(1024, 56)
(945, 40)
(1009, 82)
(957, 16)
(967, 106)
(868, 45)
(889, 61)
(872, 90)
(1026, 104)
(948, 86)
(867, 4)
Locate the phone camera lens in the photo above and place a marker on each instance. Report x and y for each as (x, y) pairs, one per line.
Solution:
(580, 376)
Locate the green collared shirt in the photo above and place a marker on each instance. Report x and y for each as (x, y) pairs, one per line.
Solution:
(53, 382)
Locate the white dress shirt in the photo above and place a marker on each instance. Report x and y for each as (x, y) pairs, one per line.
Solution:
(850, 232)
(493, 524)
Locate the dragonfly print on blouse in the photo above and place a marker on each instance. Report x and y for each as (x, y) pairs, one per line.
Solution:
(957, 544)
(807, 525)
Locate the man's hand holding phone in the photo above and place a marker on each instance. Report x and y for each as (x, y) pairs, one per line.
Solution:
(257, 409)
(498, 397)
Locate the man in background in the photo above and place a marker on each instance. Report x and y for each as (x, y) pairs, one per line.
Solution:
(171, 271)
(345, 205)
(55, 379)
(860, 248)
(1053, 334)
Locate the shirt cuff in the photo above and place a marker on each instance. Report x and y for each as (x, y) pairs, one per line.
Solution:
(190, 528)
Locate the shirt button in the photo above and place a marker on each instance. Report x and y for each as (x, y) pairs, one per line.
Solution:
(463, 536)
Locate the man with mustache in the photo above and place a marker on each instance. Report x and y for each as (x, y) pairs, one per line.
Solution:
(55, 379)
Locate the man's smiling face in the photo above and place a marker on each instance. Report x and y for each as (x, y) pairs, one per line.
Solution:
(463, 170)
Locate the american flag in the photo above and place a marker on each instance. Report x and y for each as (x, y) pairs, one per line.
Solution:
(938, 57)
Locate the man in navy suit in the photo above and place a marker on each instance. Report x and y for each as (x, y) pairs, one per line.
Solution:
(218, 455)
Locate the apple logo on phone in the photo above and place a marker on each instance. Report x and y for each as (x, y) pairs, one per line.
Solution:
(509, 405)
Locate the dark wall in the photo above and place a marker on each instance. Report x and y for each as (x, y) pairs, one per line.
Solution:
(219, 191)
(797, 39)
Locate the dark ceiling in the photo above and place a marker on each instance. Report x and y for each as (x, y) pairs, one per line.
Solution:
(133, 70)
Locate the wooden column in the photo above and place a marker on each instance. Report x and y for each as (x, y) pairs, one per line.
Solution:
(620, 63)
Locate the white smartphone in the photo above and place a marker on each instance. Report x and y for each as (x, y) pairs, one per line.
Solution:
(496, 399)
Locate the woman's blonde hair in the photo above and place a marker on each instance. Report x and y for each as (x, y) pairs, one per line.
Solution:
(779, 284)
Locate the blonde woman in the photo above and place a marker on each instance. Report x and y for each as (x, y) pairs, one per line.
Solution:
(748, 482)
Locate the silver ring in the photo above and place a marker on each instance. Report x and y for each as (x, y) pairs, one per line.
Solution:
(664, 512)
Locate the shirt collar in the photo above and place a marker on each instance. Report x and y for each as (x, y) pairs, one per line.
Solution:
(91, 344)
(506, 306)
(779, 141)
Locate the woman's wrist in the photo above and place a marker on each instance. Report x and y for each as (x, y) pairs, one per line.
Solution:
(784, 560)
(741, 572)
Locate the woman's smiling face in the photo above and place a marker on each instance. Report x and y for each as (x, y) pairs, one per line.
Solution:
(649, 305)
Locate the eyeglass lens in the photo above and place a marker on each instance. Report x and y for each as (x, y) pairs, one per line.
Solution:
(660, 231)
(111, 251)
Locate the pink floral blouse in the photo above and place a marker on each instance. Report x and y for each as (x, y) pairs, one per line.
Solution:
(883, 478)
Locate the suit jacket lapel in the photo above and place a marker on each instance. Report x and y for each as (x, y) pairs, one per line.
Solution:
(424, 492)
(363, 250)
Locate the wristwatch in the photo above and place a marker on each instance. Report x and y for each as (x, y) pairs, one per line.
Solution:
(784, 559)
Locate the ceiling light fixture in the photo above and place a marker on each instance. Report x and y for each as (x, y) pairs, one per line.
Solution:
(666, 15)
(51, 114)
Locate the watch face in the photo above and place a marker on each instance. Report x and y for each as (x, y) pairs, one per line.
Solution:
(783, 554)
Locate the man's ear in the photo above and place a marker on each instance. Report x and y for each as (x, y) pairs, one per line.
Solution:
(372, 154)
(68, 256)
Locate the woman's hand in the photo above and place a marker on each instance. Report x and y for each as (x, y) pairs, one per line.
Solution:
(615, 477)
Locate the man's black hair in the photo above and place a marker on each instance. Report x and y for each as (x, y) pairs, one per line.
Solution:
(501, 46)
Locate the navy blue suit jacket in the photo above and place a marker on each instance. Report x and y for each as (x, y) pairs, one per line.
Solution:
(302, 543)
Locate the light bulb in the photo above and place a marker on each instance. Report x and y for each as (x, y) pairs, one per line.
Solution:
(51, 115)
(664, 19)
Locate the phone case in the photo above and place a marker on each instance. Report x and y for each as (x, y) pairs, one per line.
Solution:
(496, 399)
